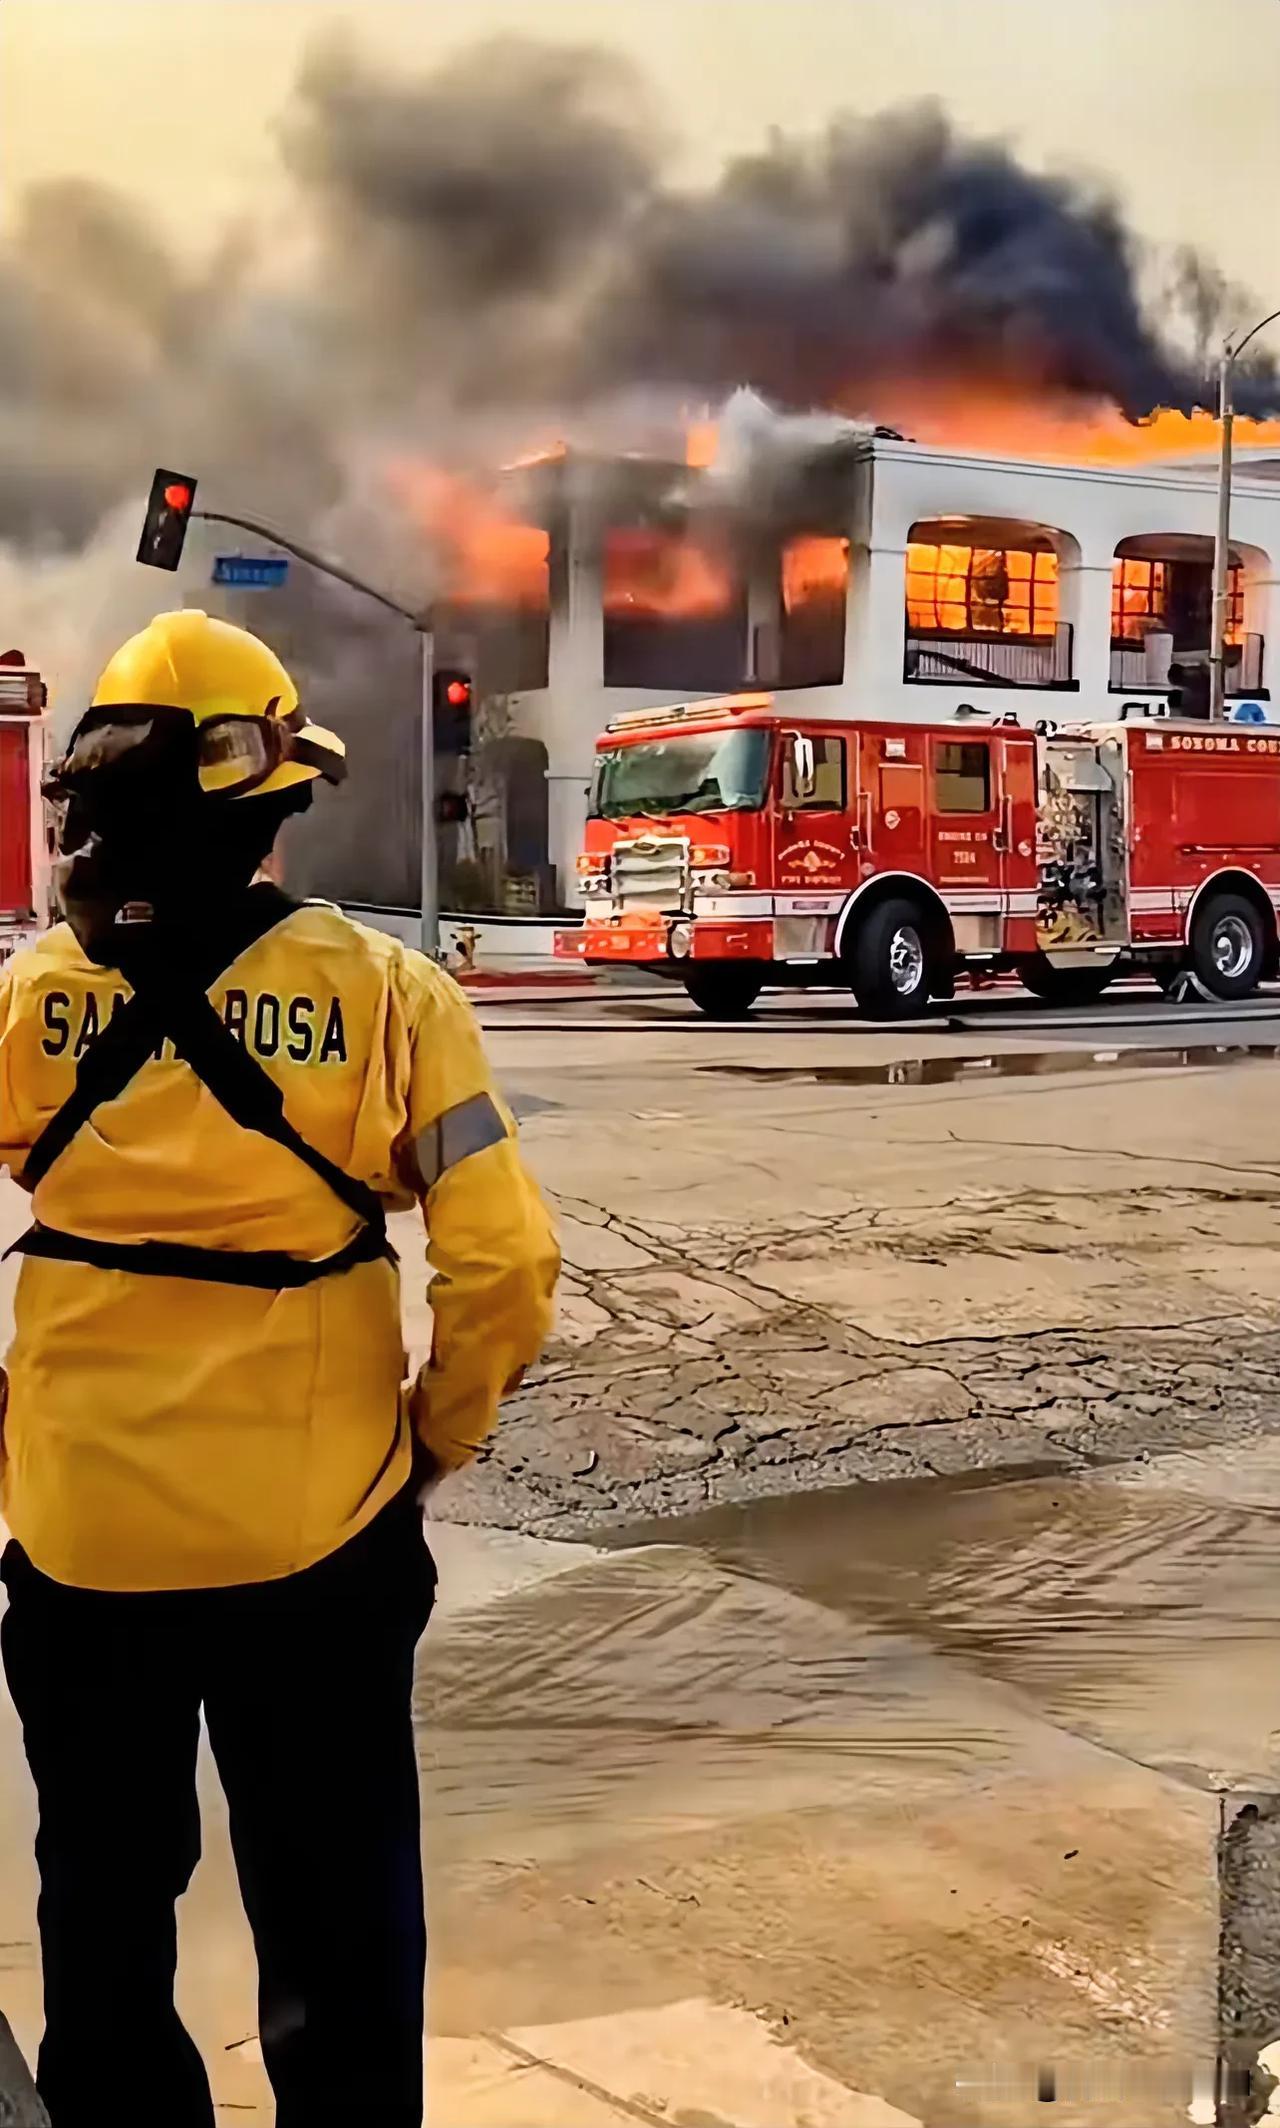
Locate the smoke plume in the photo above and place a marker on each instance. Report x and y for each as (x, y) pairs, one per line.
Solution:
(496, 254)
(510, 224)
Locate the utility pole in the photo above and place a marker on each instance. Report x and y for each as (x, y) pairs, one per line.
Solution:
(1232, 350)
(422, 622)
(429, 854)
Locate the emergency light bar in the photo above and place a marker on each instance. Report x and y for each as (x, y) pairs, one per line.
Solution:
(674, 713)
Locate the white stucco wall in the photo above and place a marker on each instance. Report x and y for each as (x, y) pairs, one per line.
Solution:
(899, 485)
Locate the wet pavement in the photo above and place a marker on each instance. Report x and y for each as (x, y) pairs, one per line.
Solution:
(1005, 1064)
(818, 1805)
(852, 1808)
(928, 1777)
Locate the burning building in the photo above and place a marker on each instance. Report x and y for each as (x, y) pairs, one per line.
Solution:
(867, 572)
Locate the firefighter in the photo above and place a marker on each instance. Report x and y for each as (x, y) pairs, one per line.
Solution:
(212, 1466)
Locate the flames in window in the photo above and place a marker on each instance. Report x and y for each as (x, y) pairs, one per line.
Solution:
(966, 591)
(815, 571)
(1145, 598)
(650, 573)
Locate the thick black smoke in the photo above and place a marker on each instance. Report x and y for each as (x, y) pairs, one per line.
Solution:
(821, 269)
(495, 250)
(494, 256)
(510, 221)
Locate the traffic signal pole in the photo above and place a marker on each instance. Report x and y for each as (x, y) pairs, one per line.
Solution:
(1220, 598)
(430, 881)
(423, 625)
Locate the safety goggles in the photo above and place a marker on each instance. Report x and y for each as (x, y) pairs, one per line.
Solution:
(237, 754)
(234, 754)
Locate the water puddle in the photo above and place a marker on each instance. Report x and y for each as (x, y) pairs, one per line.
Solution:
(1144, 1616)
(1014, 1064)
(930, 1764)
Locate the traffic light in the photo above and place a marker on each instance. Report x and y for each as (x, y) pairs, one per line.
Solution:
(451, 711)
(168, 515)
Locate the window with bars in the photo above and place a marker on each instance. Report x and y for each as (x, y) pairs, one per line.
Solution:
(1149, 595)
(966, 591)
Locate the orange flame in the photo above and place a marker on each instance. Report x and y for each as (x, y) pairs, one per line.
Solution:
(702, 442)
(963, 415)
(487, 557)
(1012, 421)
(813, 568)
(980, 590)
(654, 574)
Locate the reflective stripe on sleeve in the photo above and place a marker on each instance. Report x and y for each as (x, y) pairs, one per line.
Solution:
(455, 1135)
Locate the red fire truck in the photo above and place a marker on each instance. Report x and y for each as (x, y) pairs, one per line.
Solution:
(24, 867)
(733, 846)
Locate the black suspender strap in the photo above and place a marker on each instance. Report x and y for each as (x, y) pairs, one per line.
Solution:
(135, 1030)
(170, 1000)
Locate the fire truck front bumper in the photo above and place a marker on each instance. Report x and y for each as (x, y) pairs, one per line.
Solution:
(662, 940)
(15, 939)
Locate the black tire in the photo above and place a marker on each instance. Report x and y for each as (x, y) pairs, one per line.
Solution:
(1228, 947)
(890, 959)
(726, 991)
(1062, 986)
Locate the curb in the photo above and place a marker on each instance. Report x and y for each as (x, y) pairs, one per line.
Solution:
(522, 979)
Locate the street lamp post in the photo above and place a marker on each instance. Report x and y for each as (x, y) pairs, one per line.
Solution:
(423, 625)
(1231, 353)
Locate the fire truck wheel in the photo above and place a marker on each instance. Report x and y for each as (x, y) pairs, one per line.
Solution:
(726, 992)
(1227, 946)
(1062, 986)
(888, 960)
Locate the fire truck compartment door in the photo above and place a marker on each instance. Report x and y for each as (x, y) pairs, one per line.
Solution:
(16, 891)
(966, 822)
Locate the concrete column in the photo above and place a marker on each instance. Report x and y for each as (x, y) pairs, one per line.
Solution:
(762, 662)
(572, 714)
(876, 618)
(1084, 599)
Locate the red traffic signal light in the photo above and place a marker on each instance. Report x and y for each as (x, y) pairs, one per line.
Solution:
(451, 706)
(164, 528)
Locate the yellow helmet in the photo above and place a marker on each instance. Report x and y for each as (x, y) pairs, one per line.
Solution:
(253, 737)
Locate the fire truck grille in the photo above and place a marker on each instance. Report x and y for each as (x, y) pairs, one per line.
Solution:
(16, 690)
(653, 872)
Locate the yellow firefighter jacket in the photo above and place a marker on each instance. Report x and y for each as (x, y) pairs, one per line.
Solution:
(168, 1432)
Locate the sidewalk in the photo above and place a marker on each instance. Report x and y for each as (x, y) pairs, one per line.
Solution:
(685, 2061)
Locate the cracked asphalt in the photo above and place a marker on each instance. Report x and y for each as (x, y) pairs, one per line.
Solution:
(802, 1252)
(859, 1762)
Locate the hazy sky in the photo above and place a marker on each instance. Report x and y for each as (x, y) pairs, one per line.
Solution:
(1174, 101)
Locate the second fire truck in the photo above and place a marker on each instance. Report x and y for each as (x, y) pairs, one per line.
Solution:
(733, 846)
(24, 866)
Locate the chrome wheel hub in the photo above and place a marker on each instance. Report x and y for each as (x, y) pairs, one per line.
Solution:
(906, 961)
(1232, 947)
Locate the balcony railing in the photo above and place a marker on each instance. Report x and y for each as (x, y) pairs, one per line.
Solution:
(1135, 666)
(990, 660)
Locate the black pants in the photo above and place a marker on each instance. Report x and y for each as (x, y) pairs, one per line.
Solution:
(306, 1687)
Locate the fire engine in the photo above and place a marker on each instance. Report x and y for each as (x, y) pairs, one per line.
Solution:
(732, 847)
(24, 867)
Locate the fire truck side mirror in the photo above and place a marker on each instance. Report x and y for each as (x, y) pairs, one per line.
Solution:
(799, 770)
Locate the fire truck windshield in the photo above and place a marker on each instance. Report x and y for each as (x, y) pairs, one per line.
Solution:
(699, 772)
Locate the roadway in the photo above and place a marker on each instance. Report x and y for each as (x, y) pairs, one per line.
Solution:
(846, 1642)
